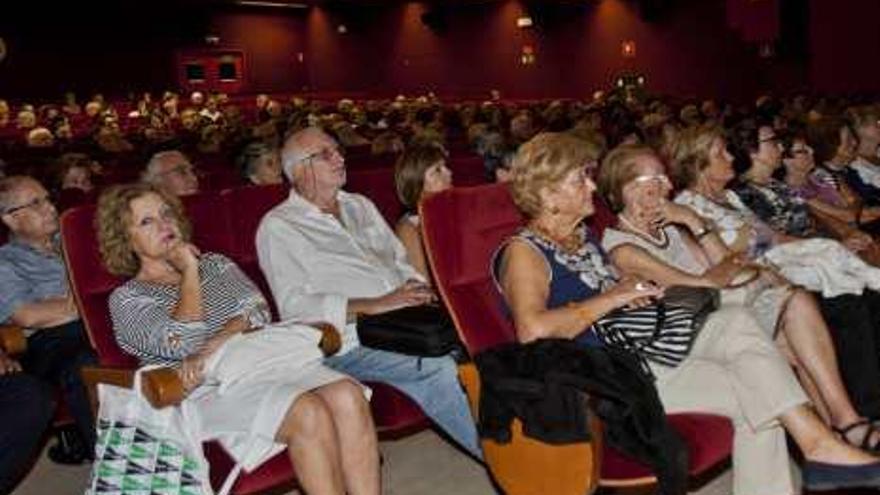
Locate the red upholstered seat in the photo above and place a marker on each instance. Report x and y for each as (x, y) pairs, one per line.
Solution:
(462, 228)
(378, 185)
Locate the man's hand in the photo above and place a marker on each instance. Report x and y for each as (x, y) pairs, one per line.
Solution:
(8, 365)
(411, 293)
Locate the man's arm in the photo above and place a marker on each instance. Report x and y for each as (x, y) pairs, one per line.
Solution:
(19, 307)
(47, 313)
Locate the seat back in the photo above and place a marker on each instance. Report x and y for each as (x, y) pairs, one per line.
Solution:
(246, 207)
(91, 284)
(462, 229)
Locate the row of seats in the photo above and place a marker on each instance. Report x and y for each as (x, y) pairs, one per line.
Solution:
(462, 229)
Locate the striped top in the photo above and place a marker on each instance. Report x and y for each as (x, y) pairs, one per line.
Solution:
(144, 327)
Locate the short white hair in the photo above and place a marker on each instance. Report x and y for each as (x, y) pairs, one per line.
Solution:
(292, 153)
(152, 170)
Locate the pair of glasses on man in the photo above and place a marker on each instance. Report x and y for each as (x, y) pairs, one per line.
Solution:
(36, 203)
(327, 153)
(182, 169)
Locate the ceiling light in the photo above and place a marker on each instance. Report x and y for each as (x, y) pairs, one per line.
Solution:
(523, 21)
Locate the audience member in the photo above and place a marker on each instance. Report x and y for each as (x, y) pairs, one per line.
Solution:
(420, 172)
(558, 283)
(329, 256)
(181, 306)
(172, 172)
(35, 296)
(260, 164)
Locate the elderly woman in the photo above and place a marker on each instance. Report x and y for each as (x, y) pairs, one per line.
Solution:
(701, 166)
(420, 172)
(671, 245)
(865, 168)
(757, 153)
(260, 164)
(180, 306)
(558, 283)
(834, 148)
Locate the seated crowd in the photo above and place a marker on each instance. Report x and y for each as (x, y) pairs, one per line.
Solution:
(688, 196)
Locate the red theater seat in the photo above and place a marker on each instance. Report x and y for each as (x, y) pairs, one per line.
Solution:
(462, 228)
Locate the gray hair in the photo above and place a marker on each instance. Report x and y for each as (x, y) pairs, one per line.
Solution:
(251, 155)
(292, 153)
(9, 186)
(151, 172)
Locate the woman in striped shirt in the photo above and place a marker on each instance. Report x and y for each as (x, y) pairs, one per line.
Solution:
(181, 306)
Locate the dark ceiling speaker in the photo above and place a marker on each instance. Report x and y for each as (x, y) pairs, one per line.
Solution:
(436, 20)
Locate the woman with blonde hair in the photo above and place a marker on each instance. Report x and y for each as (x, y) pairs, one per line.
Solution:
(701, 167)
(558, 283)
(181, 306)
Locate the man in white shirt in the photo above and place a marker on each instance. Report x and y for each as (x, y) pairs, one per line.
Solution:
(329, 255)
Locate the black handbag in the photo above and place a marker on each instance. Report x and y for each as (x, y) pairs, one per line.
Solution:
(700, 301)
(425, 330)
(663, 332)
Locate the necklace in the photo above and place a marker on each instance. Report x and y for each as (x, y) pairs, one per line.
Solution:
(571, 243)
(662, 241)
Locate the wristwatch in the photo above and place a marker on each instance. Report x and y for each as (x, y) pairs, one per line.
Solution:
(699, 234)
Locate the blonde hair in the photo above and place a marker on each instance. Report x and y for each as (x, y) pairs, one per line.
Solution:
(688, 153)
(113, 219)
(543, 162)
(618, 169)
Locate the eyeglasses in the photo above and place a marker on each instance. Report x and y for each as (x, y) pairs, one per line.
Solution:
(326, 154)
(37, 202)
(802, 151)
(770, 139)
(657, 179)
(182, 169)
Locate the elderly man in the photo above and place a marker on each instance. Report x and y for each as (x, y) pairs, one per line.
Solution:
(34, 295)
(172, 172)
(329, 255)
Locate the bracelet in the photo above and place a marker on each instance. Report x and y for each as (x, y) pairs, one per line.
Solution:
(582, 311)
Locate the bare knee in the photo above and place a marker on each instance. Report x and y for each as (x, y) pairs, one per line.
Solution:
(346, 399)
(308, 416)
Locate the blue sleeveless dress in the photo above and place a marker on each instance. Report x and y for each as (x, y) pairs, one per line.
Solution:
(574, 276)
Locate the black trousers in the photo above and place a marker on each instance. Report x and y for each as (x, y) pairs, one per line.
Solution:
(56, 356)
(855, 328)
(26, 406)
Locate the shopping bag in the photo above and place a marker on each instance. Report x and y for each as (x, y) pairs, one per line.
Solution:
(142, 450)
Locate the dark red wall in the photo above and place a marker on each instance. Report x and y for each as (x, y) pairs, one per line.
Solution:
(845, 45)
(689, 50)
(271, 43)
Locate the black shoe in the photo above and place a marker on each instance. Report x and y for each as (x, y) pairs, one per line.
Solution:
(820, 476)
(69, 448)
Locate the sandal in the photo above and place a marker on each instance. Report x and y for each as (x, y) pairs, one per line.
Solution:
(871, 429)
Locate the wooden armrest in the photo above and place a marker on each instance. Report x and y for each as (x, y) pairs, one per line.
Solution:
(12, 340)
(331, 339)
(161, 387)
